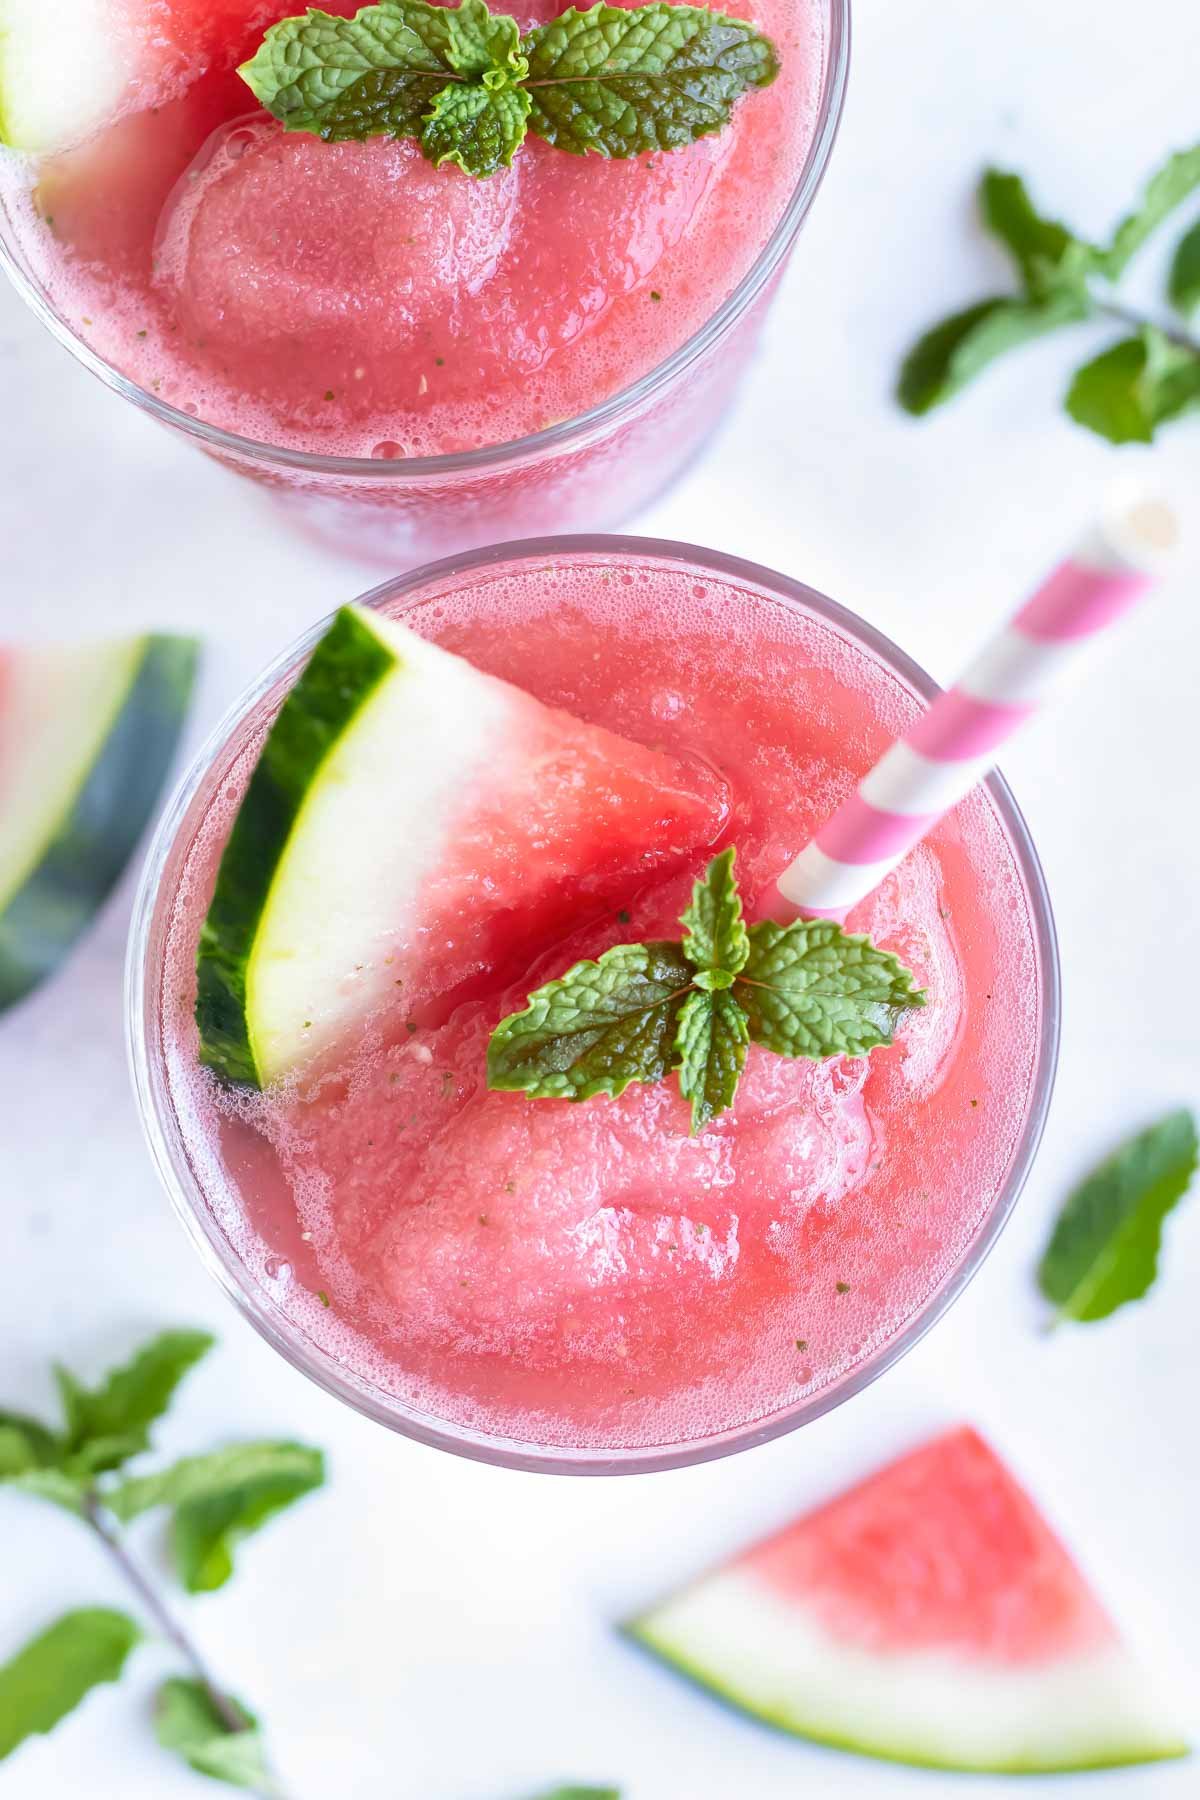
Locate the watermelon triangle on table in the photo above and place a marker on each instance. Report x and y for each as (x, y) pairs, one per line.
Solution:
(415, 831)
(928, 1616)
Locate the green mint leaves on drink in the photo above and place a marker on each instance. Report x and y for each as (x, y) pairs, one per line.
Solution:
(1147, 377)
(1103, 1251)
(642, 1011)
(212, 1502)
(465, 83)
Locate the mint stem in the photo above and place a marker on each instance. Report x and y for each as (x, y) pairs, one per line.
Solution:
(1126, 315)
(101, 1524)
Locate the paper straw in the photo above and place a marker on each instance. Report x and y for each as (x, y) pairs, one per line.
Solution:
(956, 743)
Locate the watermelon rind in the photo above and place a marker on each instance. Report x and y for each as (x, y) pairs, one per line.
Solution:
(65, 69)
(340, 678)
(104, 721)
(930, 1711)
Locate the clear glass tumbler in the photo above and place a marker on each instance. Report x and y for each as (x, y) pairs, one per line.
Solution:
(588, 472)
(159, 1021)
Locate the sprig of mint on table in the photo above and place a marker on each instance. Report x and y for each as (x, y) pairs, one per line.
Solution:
(214, 1500)
(642, 1011)
(1103, 1251)
(468, 86)
(1148, 377)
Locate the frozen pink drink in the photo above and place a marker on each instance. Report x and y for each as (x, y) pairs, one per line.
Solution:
(589, 1279)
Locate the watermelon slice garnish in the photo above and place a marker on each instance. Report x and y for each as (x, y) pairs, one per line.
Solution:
(71, 67)
(414, 831)
(87, 733)
(928, 1615)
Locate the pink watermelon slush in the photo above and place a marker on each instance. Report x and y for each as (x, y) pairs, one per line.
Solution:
(352, 301)
(588, 1279)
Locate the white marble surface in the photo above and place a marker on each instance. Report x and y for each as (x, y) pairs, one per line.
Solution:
(428, 1629)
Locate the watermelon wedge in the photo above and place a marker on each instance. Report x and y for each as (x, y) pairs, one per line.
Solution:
(70, 68)
(415, 828)
(87, 734)
(928, 1616)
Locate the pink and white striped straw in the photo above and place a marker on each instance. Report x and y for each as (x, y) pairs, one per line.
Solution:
(957, 741)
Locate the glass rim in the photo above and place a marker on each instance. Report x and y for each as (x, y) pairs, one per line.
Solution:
(569, 434)
(164, 1136)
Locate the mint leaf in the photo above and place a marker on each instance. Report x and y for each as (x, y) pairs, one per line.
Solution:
(809, 989)
(479, 42)
(52, 1674)
(1167, 189)
(109, 1424)
(1128, 391)
(479, 128)
(205, 1533)
(186, 1721)
(652, 78)
(1047, 255)
(710, 1046)
(1183, 282)
(218, 1499)
(952, 353)
(375, 74)
(597, 1028)
(16, 1452)
(56, 1485)
(1104, 1248)
(31, 1461)
(580, 1793)
(715, 932)
(26, 1443)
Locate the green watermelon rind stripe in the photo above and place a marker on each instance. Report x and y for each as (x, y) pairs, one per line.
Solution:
(342, 674)
(641, 1632)
(98, 830)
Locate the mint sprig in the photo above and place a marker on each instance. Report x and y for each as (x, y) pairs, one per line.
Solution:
(1138, 383)
(213, 1500)
(642, 1010)
(465, 83)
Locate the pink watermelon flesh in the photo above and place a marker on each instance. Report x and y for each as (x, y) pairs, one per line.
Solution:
(941, 1548)
(928, 1615)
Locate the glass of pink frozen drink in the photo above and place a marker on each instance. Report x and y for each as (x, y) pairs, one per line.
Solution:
(412, 359)
(587, 1287)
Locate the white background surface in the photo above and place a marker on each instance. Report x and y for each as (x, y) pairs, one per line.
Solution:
(427, 1629)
